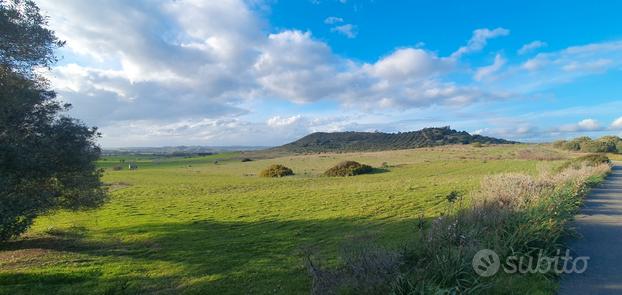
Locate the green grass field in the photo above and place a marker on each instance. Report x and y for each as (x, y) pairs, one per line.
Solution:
(188, 225)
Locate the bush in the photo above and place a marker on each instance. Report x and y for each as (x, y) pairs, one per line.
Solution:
(605, 144)
(572, 145)
(276, 170)
(247, 160)
(559, 144)
(348, 168)
(611, 143)
(117, 168)
(595, 147)
(588, 160)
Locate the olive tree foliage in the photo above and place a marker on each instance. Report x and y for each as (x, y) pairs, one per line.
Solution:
(47, 160)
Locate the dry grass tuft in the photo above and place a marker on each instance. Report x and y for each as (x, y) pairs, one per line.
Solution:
(539, 154)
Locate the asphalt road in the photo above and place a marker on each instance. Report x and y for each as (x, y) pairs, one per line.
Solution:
(600, 226)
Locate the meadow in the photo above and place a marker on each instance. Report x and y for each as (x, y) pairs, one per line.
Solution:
(210, 225)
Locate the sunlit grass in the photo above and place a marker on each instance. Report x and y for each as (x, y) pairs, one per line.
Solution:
(193, 225)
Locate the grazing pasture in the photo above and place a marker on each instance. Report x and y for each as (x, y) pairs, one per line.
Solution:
(211, 225)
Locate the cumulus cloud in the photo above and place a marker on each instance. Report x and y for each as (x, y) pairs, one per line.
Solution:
(189, 69)
(409, 63)
(172, 59)
(230, 131)
(485, 72)
(588, 124)
(529, 47)
(478, 40)
(617, 123)
(296, 67)
(583, 125)
(347, 30)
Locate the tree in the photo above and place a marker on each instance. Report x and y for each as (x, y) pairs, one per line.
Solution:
(594, 147)
(611, 142)
(46, 158)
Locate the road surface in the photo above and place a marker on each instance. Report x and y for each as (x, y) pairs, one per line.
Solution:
(600, 226)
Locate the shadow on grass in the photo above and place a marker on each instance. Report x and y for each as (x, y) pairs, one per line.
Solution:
(379, 170)
(203, 256)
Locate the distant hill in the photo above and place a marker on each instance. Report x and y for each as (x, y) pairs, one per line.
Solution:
(377, 141)
(178, 150)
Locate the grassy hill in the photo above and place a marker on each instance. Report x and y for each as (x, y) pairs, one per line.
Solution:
(378, 141)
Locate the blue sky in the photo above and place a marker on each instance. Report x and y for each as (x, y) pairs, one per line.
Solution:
(234, 72)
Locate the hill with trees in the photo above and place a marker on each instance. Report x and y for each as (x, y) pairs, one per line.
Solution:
(377, 141)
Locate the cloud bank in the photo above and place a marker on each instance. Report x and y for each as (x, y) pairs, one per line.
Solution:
(193, 69)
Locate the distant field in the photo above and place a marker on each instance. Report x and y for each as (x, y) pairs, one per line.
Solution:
(192, 225)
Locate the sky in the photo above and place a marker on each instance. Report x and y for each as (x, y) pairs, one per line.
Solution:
(264, 73)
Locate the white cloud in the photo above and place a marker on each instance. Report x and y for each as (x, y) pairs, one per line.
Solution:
(617, 123)
(347, 30)
(529, 47)
(485, 72)
(293, 66)
(588, 124)
(409, 63)
(598, 65)
(193, 70)
(478, 40)
(331, 20)
(583, 125)
(480, 131)
(278, 121)
(578, 60)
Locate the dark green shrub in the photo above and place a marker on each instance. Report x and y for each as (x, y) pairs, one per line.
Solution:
(276, 170)
(605, 144)
(611, 143)
(348, 168)
(247, 160)
(595, 147)
(572, 145)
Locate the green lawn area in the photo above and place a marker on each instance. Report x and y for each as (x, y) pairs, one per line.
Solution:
(188, 225)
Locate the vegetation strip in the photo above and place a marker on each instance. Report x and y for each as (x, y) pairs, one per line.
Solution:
(514, 215)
